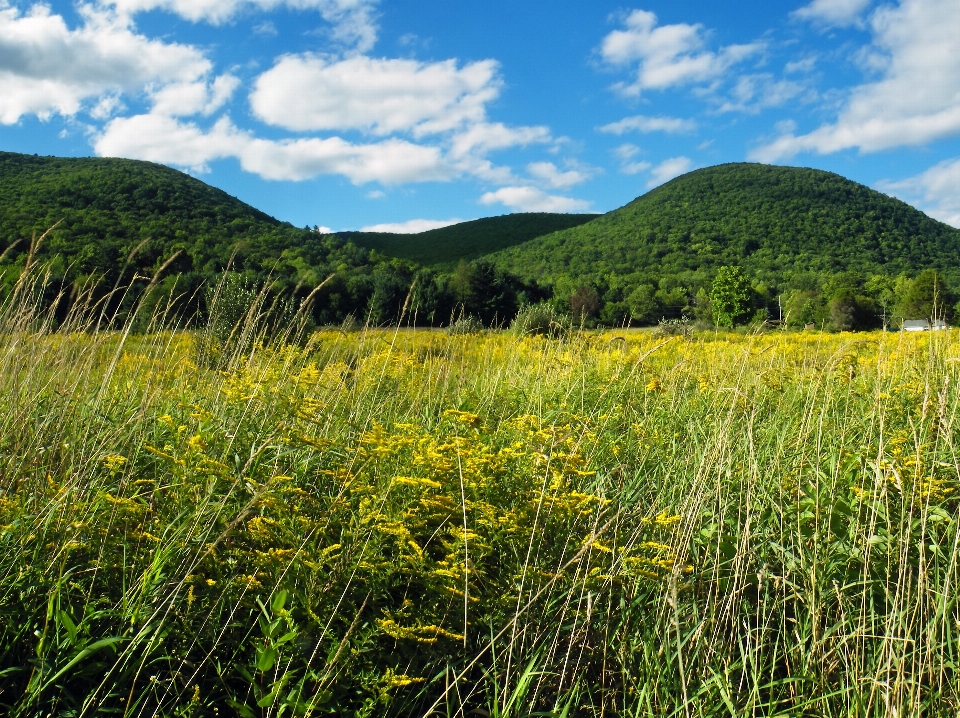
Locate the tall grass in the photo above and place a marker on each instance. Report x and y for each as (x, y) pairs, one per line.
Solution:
(418, 523)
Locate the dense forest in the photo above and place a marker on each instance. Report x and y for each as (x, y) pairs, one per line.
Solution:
(803, 237)
(123, 221)
(797, 245)
(447, 246)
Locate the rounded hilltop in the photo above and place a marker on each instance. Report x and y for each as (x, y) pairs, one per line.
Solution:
(771, 220)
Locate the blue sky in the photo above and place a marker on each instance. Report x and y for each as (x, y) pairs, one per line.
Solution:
(407, 114)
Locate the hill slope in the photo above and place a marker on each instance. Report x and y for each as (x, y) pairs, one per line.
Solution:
(107, 207)
(468, 240)
(775, 221)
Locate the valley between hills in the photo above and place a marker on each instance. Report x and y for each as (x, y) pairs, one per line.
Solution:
(809, 247)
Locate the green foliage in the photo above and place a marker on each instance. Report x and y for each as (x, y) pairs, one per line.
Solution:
(730, 296)
(540, 320)
(446, 246)
(139, 226)
(815, 248)
(928, 296)
(772, 221)
(468, 324)
(402, 524)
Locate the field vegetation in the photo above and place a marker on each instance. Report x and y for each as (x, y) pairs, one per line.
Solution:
(256, 518)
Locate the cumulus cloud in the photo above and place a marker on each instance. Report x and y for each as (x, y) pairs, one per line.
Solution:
(354, 21)
(412, 226)
(668, 55)
(935, 191)
(668, 169)
(642, 123)
(310, 92)
(531, 199)
(427, 121)
(833, 13)
(182, 99)
(48, 68)
(551, 175)
(915, 101)
(164, 139)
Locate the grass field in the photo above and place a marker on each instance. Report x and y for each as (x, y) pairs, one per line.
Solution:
(389, 523)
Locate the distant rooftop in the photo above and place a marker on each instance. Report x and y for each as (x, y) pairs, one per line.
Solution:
(923, 325)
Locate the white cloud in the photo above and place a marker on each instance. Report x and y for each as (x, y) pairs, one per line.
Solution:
(668, 55)
(752, 93)
(486, 137)
(635, 168)
(106, 107)
(323, 230)
(268, 29)
(935, 191)
(556, 178)
(163, 139)
(833, 13)
(800, 66)
(309, 92)
(668, 169)
(626, 153)
(916, 101)
(191, 98)
(156, 138)
(530, 199)
(642, 123)
(47, 68)
(412, 226)
(354, 21)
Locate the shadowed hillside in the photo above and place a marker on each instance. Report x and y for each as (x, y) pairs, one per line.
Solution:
(467, 240)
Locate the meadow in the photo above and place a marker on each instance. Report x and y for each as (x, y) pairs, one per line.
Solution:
(385, 522)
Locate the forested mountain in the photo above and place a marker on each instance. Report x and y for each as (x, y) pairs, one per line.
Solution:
(446, 246)
(775, 222)
(114, 216)
(811, 246)
(803, 245)
(123, 220)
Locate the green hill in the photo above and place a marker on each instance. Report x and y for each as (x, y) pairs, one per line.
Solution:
(468, 240)
(122, 219)
(108, 207)
(802, 236)
(776, 222)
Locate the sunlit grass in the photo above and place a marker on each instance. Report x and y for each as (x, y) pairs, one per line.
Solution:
(402, 523)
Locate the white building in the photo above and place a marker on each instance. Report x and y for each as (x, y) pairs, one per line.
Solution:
(924, 325)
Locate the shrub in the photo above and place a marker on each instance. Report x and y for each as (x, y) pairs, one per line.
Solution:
(541, 320)
(467, 324)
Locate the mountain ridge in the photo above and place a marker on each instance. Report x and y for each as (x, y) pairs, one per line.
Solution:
(772, 220)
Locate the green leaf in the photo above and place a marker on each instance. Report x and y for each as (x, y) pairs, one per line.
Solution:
(243, 710)
(279, 601)
(268, 699)
(86, 652)
(69, 625)
(267, 658)
(285, 638)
